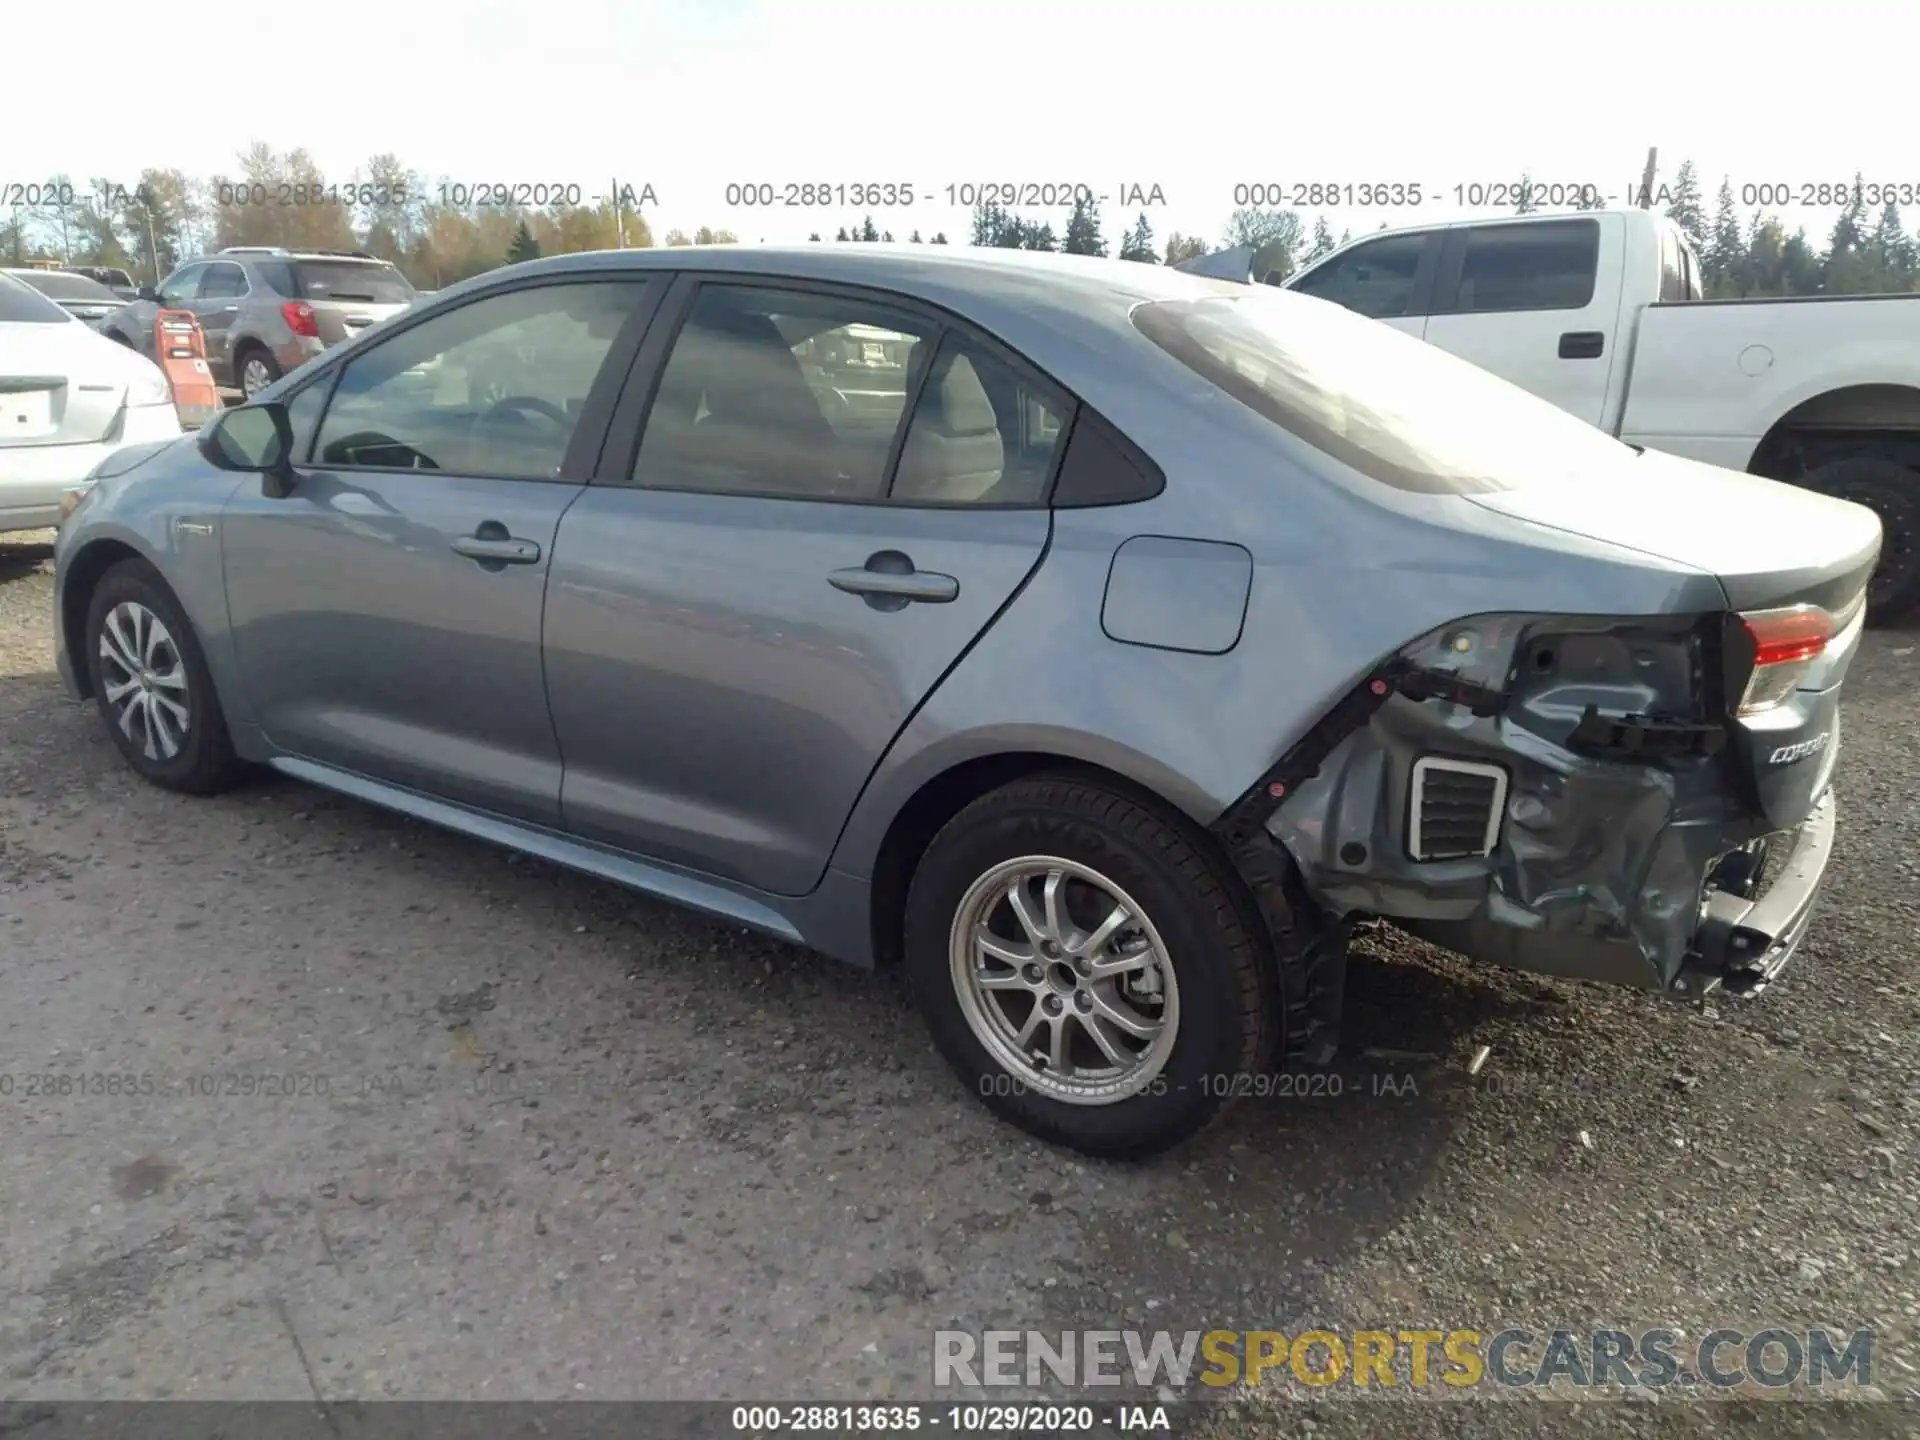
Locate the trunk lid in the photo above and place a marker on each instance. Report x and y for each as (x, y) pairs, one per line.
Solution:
(1769, 543)
(55, 386)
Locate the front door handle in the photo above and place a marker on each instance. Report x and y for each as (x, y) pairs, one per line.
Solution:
(1582, 344)
(228, 309)
(493, 547)
(889, 581)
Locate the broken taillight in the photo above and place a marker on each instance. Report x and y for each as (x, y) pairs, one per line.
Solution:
(1785, 643)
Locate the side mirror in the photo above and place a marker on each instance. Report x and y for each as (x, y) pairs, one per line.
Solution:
(149, 292)
(254, 439)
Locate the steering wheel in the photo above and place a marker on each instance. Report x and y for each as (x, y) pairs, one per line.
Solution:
(522, 404)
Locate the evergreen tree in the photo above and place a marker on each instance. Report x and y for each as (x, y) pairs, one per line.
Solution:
(524, 246)
(1525, 204)
(814, 236)
(1138, 244)
(939, 237)
(1181, 248)
(843, 234)
(989, 223)
(867, 232)
(1083, 229)
(1281, 229)
(914, 238)
(1322, 240)
(1590, 198)
(1800, 264)
(1037, 236)
(1724, 257)
(1683, 206)
(1848, 268)
(1894, 251)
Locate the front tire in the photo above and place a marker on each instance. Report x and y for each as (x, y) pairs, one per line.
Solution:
(151, 682)
(1085, 963)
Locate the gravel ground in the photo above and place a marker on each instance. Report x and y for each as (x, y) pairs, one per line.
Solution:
(575, 1144)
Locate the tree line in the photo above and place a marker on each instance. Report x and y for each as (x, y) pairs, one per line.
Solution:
(438, 234)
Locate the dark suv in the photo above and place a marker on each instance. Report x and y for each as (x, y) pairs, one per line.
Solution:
(266, 310)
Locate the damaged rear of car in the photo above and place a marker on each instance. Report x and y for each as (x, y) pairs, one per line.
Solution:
(1638, 793)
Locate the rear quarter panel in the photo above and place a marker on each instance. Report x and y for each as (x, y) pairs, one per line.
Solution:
(1342, 575)
(1710, 380)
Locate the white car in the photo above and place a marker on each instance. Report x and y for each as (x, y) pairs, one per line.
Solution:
(69, 397)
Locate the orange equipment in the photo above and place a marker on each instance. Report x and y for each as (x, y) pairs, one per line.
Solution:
(181, 349)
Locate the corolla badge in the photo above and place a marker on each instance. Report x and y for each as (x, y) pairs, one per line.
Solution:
(1787, 754)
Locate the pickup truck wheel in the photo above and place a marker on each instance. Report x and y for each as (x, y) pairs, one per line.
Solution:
(1083, 961)
(1891, 491)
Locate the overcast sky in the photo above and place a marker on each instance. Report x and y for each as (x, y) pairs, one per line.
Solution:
(1196, 97)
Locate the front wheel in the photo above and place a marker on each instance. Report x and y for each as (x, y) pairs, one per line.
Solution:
(151, 682)
(1085, 964)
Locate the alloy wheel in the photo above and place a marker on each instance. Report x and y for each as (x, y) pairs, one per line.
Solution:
(1064, 979)
(144, 680)
(254, 376)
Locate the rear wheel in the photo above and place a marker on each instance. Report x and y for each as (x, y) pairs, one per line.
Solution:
(1084, 963)
(1892, 492)
(151, 682)
(255, 370)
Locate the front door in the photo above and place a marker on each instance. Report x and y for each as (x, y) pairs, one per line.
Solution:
(739, 625)
(222, 288)
(387, 612)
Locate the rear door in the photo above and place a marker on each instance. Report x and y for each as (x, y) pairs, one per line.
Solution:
(1389, 279)
(387, 612)
(769, 576)
(1537, 302)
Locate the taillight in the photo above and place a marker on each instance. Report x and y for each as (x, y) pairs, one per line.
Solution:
(1785, 643)
(299, 317)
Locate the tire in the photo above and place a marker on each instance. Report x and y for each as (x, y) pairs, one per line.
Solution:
(1892, 491)
(1217, 986)
(195, 757)
(259, 358)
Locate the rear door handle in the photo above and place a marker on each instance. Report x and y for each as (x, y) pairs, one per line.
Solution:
(1582, 345)
(493, 547)
(228, 309)
(889, 581)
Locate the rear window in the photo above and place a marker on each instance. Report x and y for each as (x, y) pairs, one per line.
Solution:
(57, 286)
(1394, 408)
(370, 282)
(21, 304)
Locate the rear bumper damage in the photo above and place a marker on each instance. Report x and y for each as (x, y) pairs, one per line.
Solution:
(1544, 806)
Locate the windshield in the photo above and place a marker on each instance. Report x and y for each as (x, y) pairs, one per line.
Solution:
(58, 286)
(371, 282)
(21, 304)
(1395, 408)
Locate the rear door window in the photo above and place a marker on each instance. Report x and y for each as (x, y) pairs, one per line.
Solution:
(1535, 265)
